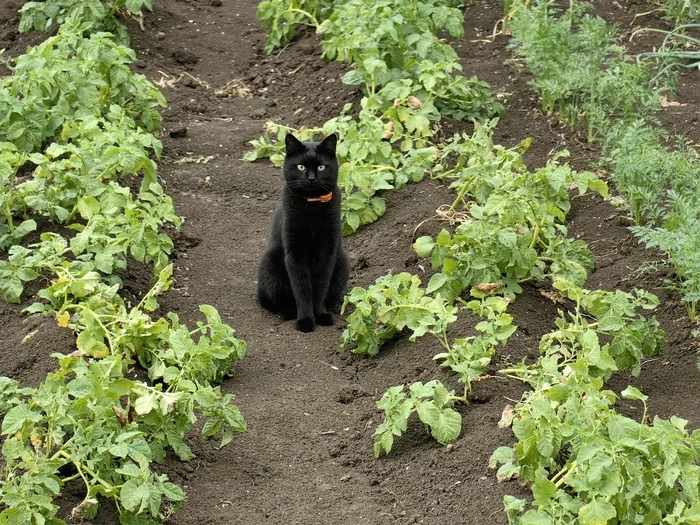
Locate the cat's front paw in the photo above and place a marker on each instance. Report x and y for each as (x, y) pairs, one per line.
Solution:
(324, 319)
(305, 324)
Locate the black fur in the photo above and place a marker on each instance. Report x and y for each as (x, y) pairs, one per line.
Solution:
(304, 269)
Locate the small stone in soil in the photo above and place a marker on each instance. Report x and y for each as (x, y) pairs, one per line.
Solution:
(259, 113)
(178, 133)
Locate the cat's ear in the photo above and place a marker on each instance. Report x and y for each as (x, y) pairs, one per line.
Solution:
(293, 144)
(328, 144)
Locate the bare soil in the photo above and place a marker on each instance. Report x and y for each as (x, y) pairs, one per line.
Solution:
(307, 457)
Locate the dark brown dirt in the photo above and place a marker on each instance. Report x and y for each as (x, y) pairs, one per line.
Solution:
(307, 457)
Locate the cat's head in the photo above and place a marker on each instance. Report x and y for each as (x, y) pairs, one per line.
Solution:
(311, 168)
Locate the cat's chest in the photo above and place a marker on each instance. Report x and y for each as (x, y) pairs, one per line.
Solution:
(313, 235)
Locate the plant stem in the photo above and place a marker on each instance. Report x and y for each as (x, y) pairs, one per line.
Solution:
(462, 191)
(108, 487)
(568, 470)
(510, 371)
(461, 399)
(314, 22)
(49, 433)
(8, 214)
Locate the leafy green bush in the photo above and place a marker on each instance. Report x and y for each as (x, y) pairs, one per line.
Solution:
(515, 226)
(587, 463)
(107, 427)
(392, 303)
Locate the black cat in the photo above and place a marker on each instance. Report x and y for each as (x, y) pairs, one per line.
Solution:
(304, 269)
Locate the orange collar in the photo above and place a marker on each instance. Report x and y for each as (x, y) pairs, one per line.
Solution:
(323, 198)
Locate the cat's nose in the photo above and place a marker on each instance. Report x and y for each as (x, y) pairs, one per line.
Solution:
(312, 176)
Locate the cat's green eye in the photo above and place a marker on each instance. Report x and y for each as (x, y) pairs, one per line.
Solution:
(321, 167)
(301, 167)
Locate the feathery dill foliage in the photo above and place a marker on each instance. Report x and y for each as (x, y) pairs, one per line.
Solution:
(580, 69)
(582, 73)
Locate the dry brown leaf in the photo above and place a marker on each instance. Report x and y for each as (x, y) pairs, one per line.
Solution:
(487, 287)
(388, 131)
(413, 102)
(666, 103)
(120, 414)
(552, 296)
(506, 417)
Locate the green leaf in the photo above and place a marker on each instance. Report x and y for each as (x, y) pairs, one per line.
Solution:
(535, 517)
(423, 246)
(173, 492)
(597, 512)
(24, 228)
(513, 504)
(633, 393)
(92, 344)
(16, 417)
(543, 490)
(611, 324)
(501, 456)
(445, 423)
(134, 6)
(134, 495)
(145, 403)
(436, 282)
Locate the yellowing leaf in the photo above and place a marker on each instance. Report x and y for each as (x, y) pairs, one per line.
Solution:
(63, 319)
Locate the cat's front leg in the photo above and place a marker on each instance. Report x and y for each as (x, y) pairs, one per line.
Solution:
(324, 319)
(321, 314)
(321, 282)
(300, 279)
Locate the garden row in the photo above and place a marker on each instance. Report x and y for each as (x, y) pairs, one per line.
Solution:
(586, 462)
(583, 74)
(77, 136)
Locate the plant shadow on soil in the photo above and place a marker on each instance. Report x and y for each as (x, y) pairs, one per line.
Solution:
(307, 457)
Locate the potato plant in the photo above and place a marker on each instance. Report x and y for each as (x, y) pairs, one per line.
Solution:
(515, 225)
(588, 463)
(467, 358)
(368, 162)
(280, 18)
(515, 232)
(91, 421)
(94, 15)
